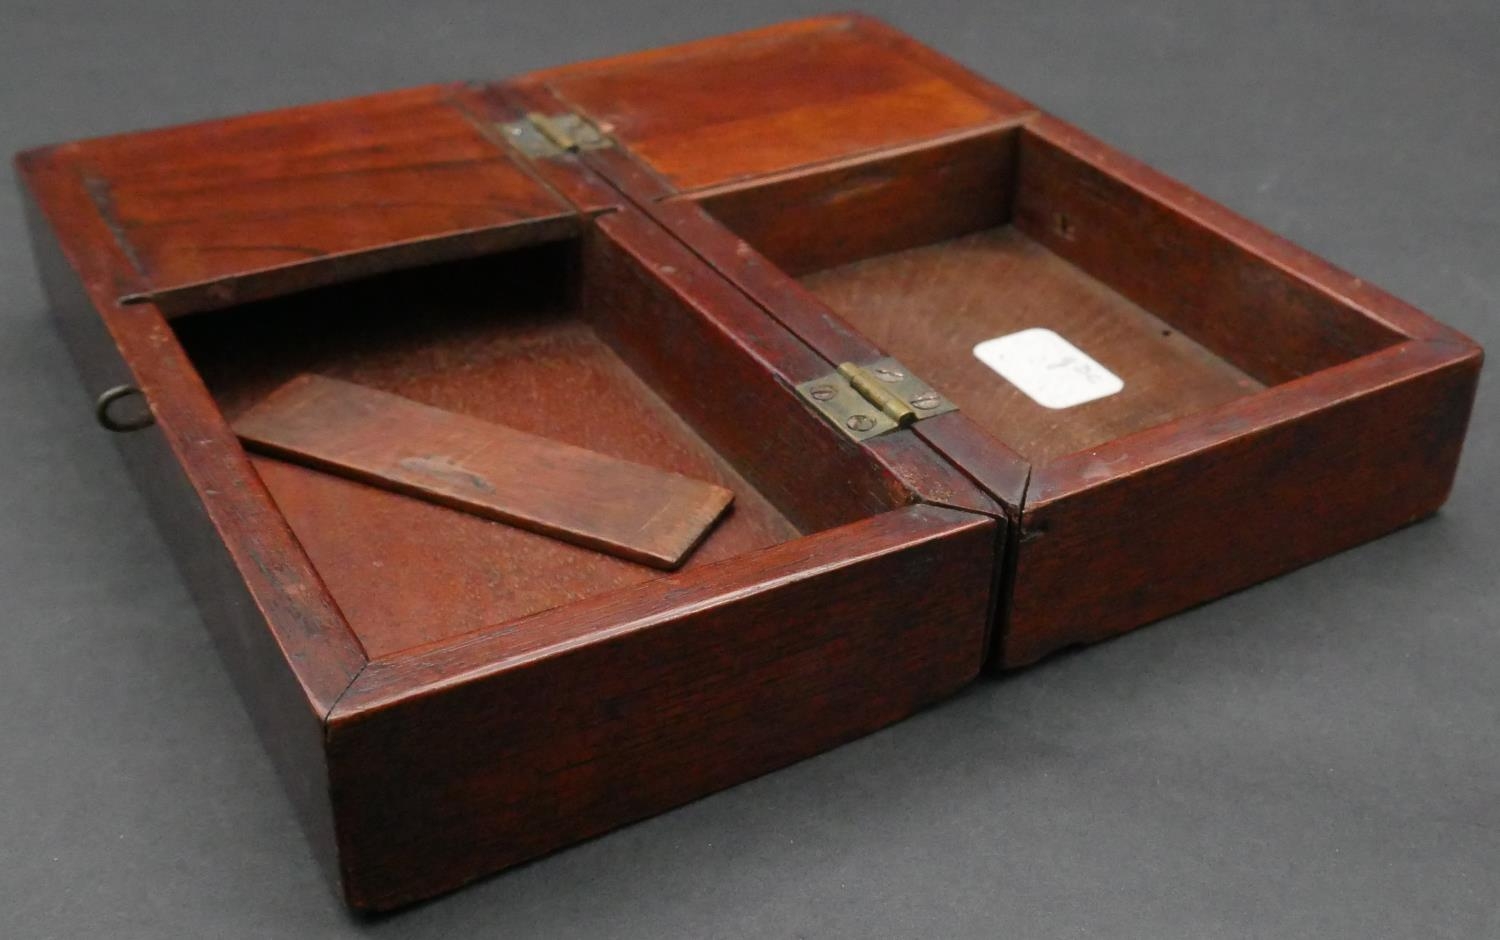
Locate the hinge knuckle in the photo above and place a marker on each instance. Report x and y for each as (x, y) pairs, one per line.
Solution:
(540, 136)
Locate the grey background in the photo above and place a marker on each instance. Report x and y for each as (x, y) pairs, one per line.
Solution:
(1318, 756)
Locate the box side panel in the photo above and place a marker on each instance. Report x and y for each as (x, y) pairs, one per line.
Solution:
(1275, 310)
(729, 370)
(287, 677)
(1251, 497)
(608, 712)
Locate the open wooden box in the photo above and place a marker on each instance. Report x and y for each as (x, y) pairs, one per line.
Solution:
(664, 259)
(879, 200)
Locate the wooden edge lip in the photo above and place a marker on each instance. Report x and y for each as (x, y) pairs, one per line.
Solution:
(302, 616)
(31, 160)
(927, 475)
(1356, 293)
(916, 474)
(424, 671)
(181, 300)
(784, 354)
(991, 463)
(714, 246)
(673, 264)
(1000, 125)
(1245, 417)
(784, 299)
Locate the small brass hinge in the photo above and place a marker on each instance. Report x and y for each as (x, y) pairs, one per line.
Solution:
(549, 135)
(870, 400)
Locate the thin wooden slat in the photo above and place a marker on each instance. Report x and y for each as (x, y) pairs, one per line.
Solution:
(637, 512)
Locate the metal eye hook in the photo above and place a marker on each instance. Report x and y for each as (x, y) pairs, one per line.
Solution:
(108, 397)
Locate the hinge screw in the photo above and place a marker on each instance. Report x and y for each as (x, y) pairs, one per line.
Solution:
(860, 422)
(890, 375)
(823, 392)
(927, 401)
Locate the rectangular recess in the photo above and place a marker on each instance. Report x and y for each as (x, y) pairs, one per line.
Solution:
(928, 251)
(519, 339)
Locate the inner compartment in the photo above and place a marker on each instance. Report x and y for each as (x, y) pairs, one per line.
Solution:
(932, 251)
(530, 339)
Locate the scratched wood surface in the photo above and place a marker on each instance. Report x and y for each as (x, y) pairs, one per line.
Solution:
(507, 747)
(393, 651)
(571, 493)
(1228, 338)
(774, 99)
(931, 305)
(222, 212)
(1212, 275)
(501, 340)
(282, 636)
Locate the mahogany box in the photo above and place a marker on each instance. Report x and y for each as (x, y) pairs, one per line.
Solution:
(980, 388)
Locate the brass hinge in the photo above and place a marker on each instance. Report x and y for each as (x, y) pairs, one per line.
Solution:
(542, 135)
(870, 400)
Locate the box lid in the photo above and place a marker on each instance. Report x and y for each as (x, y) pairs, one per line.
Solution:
(223, 212)
(710, 112)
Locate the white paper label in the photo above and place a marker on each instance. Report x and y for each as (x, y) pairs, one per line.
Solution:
(1050, 370)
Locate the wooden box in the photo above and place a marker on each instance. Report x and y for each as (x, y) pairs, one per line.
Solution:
(764, 262)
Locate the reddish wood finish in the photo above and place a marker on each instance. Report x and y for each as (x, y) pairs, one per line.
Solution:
(446, 695)
(935, 303)
(904, 461)
(1238, 494)
(772, 99)
(283, 639)
(875, 207)
(577, 495)
(576, 720)
(534, 294)
(1211, 319)
(205, 212)
(1208, 277)
(505, 340)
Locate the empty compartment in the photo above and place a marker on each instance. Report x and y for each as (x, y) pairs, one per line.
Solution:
(932, 252)
(539, 339)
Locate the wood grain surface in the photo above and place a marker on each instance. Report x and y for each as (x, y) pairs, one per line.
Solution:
(574, 721)
(446, 695)
(502, 340)
(931, 305)
(773, 99)
(577, 495)
(1224, 333)
(283, 639)
(223, 212)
